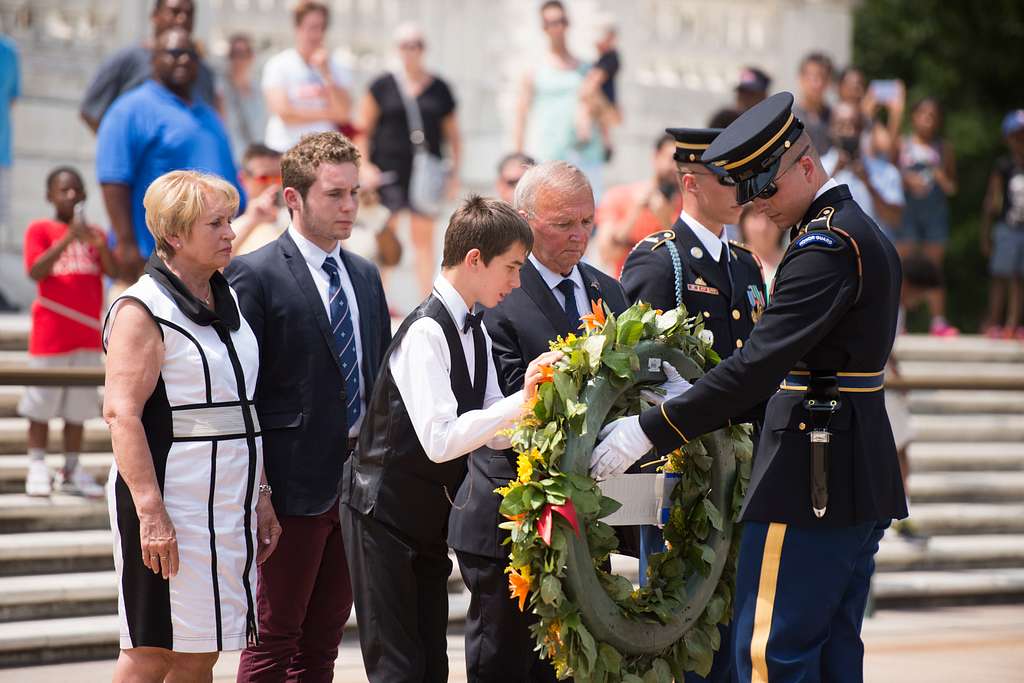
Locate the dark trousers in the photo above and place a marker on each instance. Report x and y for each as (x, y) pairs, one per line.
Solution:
(401, 591)
(304, 598)
(800, 598)
(499, 646)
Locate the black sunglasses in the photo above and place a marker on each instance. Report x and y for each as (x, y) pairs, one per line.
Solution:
(771, 189)
(176, 53)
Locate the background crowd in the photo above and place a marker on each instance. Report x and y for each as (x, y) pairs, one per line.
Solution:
(164, 105)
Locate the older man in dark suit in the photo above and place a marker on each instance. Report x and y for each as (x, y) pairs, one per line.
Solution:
(556, 289)
(322, 324)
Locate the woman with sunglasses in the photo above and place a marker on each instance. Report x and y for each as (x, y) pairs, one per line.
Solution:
(391, 141)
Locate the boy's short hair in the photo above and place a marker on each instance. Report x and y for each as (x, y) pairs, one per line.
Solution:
(70, 170)
(305, 7)
(300, 163)
(490, 225)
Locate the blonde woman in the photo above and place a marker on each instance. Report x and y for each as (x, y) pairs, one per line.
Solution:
(190, 511)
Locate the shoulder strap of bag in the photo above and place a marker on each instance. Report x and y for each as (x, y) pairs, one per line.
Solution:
(412, 113)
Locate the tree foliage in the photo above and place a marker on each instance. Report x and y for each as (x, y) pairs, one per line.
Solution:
(968, 55)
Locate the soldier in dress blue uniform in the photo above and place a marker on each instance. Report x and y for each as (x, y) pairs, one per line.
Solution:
(826, 480)
(694, 263)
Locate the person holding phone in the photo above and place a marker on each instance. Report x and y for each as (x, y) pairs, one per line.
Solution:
(874, 182)
(67, 257)
(628, 213)
(265, 217)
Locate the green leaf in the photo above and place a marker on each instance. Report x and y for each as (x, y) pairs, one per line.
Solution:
(714, 516)
(620, 362)
(611, 658)
(618, 587)
(551, 590)
(588, 644)
(512, 503)
(631, 678)
(566, 387)
(698, 644)
(715, 609)
(607, 507)
(707, 553)
(629, 332)
(662, 670)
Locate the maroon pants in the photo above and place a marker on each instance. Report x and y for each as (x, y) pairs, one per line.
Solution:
(304, 598)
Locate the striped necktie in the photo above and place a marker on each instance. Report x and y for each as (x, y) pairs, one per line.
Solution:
(344, 339)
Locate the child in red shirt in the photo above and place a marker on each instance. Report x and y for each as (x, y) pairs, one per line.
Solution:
(68, 259)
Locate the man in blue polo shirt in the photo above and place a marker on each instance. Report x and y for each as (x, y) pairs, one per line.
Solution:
(149, 131)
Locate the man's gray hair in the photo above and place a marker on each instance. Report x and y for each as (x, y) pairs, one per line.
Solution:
(556, 176)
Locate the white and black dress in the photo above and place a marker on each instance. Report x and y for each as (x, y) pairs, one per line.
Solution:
(204, 437)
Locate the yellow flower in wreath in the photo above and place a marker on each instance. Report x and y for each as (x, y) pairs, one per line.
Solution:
(524, 467)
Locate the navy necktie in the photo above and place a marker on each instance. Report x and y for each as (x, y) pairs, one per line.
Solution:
(568, 288)
(344, 339)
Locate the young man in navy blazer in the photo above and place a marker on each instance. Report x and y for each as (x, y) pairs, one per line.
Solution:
(322, 323)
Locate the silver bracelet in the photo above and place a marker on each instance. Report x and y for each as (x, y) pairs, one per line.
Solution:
(265, 488)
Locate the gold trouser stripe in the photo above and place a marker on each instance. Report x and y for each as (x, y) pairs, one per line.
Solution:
(672, 425)
(771, 141)
(770, 561)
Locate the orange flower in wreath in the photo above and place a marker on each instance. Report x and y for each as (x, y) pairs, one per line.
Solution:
(596, 317)
(519, 585)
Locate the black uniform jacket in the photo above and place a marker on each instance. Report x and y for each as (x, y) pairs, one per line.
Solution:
(520, 328)
(833, 308)
(730, 306)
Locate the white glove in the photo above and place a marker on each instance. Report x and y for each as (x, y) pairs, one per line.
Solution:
(674, 385)
(622, 443)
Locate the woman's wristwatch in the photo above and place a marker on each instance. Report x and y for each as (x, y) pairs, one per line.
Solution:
(265, 489)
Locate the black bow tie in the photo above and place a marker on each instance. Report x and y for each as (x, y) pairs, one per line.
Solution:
(472, 320)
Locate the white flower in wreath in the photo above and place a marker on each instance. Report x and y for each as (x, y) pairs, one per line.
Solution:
(707, 336)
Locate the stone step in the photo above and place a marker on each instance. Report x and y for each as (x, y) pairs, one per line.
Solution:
(931, 456)
(965, 375)
(14, 329)
(9, 397)
(56, 551)
(949, 519)
(66, 595)
(14, 435)
(962, 402)
(58, 640)
(23, 514)
(41, 641)
(950, 552)
(919, 588)
(968, 427)
(960, 487)
(14, 468)
(965, 348)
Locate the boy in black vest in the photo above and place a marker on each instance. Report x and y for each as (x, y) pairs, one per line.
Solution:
(437, 400)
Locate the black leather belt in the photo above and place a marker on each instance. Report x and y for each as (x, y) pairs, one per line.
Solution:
(852, 382)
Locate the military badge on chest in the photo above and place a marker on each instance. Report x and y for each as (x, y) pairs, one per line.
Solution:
(699, 285)
(755, 296)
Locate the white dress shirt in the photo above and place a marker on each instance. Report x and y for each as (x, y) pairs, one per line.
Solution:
(825, 187)
(315, 257)
(552, 280)
(421, 367)
(713, 244)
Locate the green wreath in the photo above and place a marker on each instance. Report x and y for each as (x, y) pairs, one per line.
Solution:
(593, 625)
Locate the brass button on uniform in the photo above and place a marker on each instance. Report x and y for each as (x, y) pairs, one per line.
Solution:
(706, 314)
(802, 426)
(735, 314)
(739, 343)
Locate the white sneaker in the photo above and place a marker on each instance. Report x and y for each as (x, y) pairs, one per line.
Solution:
(39, 480)
(79, 483)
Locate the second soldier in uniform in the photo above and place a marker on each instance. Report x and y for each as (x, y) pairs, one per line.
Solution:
(694, 264)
